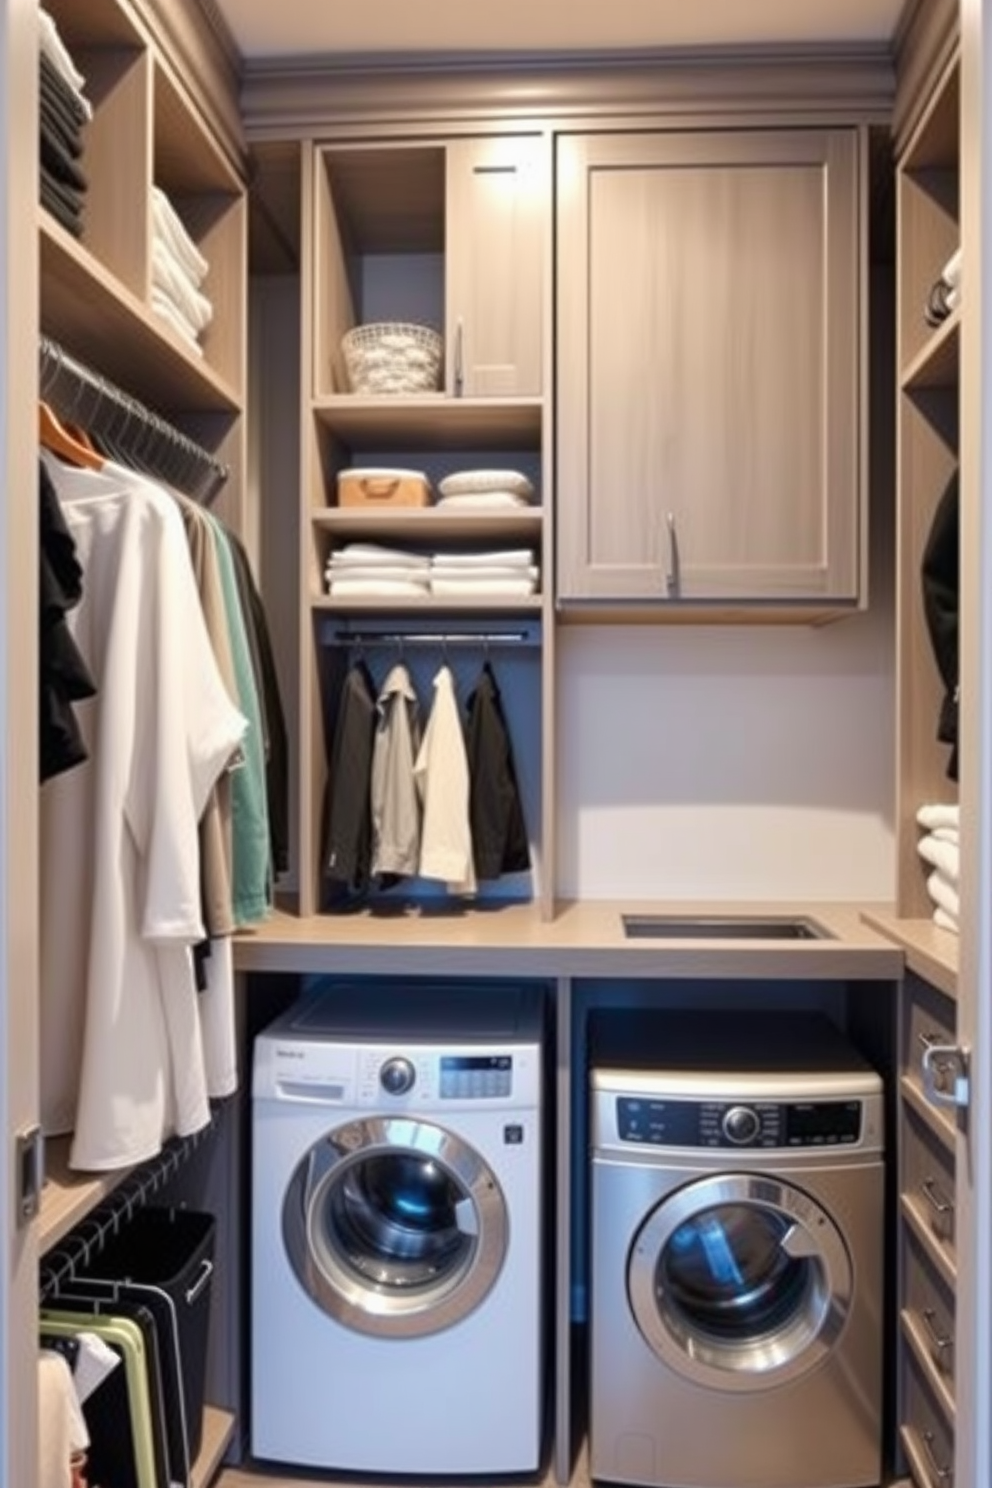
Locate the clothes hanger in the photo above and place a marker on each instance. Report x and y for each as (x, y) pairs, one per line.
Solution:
(54, 436)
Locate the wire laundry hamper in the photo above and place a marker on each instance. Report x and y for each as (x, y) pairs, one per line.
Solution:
(393, 357)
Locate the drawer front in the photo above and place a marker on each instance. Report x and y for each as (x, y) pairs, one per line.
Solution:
(929, 1303)
(927, 1435)
(928, 1018)
(928, 1179)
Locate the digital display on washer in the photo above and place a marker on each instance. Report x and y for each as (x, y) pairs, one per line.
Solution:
(822, 1122)
(475, 1076)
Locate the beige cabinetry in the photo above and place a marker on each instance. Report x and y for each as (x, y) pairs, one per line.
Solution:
(452, 234)
(928, 1266)
(708, 367)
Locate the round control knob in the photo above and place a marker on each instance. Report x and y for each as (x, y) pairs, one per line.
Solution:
(741, 1125)
(397, 1076)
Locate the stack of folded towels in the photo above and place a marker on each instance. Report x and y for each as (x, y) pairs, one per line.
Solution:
(178, 272)
(945, 295)
(510, 574)
(65, 110)
(365, 570)
(939, 848)
(362, 570)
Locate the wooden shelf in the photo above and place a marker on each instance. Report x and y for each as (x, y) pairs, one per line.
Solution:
(432, 422)
(930, 951)
(485, 605)
(218, 1429)
(68, 1196)
(936, 364)
(99, 320)
(938, 1382)
(430, 524)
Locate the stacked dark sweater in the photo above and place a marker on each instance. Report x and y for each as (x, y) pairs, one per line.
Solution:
(63, 116)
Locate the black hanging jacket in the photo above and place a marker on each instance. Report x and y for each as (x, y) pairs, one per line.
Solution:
(499, 835)
(941, 603)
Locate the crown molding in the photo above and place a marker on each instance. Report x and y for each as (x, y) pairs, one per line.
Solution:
(925, 40)
(303, 97)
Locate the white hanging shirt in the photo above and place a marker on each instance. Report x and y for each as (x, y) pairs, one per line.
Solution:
(441, 773)
(122, 1047)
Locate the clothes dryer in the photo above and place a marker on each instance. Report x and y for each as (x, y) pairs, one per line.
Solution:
(736, 1253)
(396, 1242)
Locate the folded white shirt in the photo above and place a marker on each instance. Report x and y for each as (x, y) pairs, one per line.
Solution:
(951, 272)
(169, 275)
(367, 554)
(514, 558)
(167, 311)
(945, 856)
(944, 894)
(173, 230)
(942, 814)
(944, 920)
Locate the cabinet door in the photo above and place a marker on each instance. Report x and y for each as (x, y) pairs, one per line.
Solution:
(498, 202)
(708, 366)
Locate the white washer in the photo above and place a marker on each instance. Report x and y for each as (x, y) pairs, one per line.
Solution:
(396, 1230)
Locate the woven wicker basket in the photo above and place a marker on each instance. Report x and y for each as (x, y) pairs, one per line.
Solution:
(393, 357)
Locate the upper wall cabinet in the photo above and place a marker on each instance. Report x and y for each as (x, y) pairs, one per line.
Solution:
(708, 362)
(450, 234)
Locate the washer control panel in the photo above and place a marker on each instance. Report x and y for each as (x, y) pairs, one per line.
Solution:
(740, 1124)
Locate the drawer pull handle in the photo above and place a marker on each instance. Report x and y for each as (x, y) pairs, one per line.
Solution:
(935, 1198)
(939, 1342)
(938, 1474)
(379, 490)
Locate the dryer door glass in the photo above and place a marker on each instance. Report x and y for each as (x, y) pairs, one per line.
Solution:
(395, 1227)
(740, 1281)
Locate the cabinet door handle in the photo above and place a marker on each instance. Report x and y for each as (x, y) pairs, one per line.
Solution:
(673, 578)
(938, 1474)
(459, 377)
(939, 1342)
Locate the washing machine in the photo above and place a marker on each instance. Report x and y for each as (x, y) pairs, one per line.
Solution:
(736, 1252)
(396, 1230)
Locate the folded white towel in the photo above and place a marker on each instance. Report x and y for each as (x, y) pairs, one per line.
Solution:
(380, 588)
(511, 558)
(471, 577)
(947, 834)
(376, 571)
(166, 310)
(944, 920)
(173, 230)
(942, 814)
(367, 554)
(459, 588)
(944, 894)
(951, 272)
(61, 59)
(946, 856)
(482, 501)
(169, 276)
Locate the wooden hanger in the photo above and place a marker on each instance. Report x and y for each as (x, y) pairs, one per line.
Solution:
(55, 437)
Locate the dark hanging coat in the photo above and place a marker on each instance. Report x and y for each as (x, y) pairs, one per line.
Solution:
(941, 603)
(499, 835)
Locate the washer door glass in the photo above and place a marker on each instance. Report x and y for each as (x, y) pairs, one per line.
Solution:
(394, 1227)
(740, 1281)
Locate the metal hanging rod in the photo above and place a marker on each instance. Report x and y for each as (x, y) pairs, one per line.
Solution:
(124, 427)
(434, 638)
(87, 1239)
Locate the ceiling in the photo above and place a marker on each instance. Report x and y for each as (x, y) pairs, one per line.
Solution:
(302, 27)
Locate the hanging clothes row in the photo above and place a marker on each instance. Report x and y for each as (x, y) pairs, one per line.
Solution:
(439, 802)
(168, 832)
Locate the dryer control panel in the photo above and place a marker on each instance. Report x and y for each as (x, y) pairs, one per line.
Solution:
(737, 1124)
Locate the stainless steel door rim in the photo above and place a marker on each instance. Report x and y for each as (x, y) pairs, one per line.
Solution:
(374, 1262)
(755, 1333)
